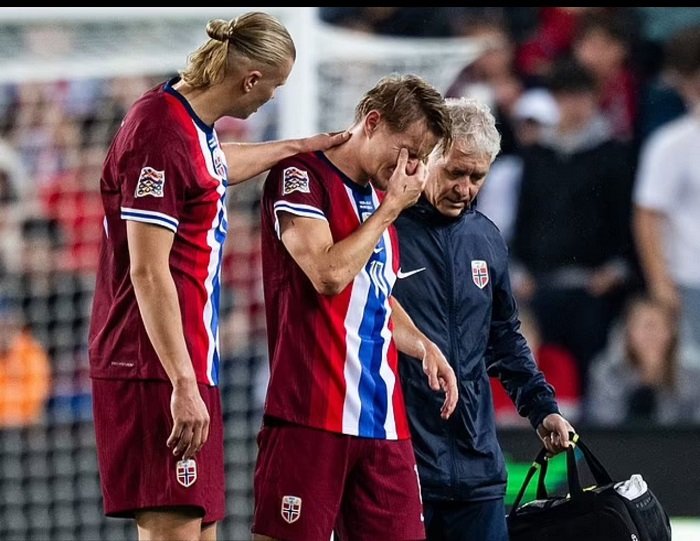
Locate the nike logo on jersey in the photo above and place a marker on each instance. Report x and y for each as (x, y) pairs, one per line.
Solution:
(378, 249)
(401, 274)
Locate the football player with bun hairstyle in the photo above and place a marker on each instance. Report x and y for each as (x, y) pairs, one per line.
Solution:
(154, 337)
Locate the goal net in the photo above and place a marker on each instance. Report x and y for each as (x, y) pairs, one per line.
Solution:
(67, 75)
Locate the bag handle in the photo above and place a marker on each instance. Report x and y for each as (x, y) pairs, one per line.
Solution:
(539, 464)
(600, 474)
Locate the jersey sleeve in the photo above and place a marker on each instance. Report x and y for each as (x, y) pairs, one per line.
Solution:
(154, 179)
(294, 188)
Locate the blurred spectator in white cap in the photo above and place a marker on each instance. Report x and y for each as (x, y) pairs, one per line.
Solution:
(572, 248)
(534, 113)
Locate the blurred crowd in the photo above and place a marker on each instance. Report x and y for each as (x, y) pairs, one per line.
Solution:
(596, 192)
(53, 139)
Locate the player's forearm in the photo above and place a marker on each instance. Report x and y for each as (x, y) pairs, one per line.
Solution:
(407, 337)
(647, 229)
(160, 311)
(247, 160)
(344, 260)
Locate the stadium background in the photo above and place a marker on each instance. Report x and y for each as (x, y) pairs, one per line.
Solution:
(66, 77)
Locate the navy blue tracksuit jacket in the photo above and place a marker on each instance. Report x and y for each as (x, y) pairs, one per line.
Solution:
(454, 284)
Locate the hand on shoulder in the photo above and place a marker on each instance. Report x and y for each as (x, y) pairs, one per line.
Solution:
(324, 141)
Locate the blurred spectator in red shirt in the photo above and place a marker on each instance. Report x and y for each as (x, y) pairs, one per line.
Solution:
(550, 40)
(604, 43)
(72, 199)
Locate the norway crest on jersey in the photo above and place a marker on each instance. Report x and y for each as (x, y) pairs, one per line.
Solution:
(186, 472)
(220, 163)
(291, 508)
(480, 273)
(295, 180)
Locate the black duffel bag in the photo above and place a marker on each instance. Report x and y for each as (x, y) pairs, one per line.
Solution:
(606, 511)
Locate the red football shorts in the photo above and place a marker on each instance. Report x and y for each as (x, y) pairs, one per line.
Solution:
(308, 482)
(137, 469)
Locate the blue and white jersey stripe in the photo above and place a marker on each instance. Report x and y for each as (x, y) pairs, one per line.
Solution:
(368, 409)
(213, 155)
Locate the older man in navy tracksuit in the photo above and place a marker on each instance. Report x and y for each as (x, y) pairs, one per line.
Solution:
(454, 284)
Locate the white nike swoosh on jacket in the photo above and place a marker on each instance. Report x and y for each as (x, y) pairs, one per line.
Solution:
(401, 274)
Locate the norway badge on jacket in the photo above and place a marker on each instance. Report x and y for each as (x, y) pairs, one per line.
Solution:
(454, 284)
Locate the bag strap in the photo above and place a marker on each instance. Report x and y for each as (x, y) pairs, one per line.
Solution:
(539, 464)
(541, 487)
(600, 474)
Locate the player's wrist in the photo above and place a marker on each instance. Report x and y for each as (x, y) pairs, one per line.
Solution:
(184, 382)
(389, 209)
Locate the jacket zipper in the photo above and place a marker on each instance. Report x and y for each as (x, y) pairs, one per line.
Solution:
(453, 349)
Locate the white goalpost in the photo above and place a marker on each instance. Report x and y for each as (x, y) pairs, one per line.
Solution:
(333, 68)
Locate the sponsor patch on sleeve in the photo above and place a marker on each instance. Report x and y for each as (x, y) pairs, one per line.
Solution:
(295, 180)
(151, 182)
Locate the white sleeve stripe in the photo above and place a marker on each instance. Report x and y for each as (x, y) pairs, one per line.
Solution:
(151, 213)
(305, 211)
(292, 207)
(148, 220)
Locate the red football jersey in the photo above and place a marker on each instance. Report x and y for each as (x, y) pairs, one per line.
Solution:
(333, 359)
(165, 167)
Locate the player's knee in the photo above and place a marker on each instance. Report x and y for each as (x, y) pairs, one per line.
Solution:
(166, 525)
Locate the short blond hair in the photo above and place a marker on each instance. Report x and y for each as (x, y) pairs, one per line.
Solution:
(404, 99)
(256, 36)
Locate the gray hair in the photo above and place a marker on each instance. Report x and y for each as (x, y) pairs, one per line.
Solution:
(473, 125)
